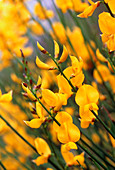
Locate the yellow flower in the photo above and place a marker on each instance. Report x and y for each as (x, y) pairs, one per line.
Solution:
(43, 65)
(89, 10)
(67, 132)
(100, 56)
(69, 157)
(86, 94)
(56, 49)
(42, 12)
(5, 97)
(104, 71)
(64, 5)
(59, 31)
(87, 97)
(64, 55)
(36, 123)
(107, 27)
(49, 97)
(111, 4)
(64, 86)
(43, 149)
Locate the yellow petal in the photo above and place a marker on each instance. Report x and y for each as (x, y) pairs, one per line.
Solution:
(30, 95)
(64, 55)
(76, 65)
(70, 145)
(39, 82)
(64, 86)
(68, 132)
(68, 156)
(79, 159)
(42, 147)
(62, 100)
(34, 123)
(106, 23)
(49, 97)
(61, 117)
(6, 97)
(100, 56)
(42, 65)
(89, 10)
(86, 94)
(111, 4)
(40, 160)
(24, 86)
(56, 49)
(41, 48)
(39, 110)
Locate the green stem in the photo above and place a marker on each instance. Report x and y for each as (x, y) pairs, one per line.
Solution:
(104, 125)
(26, 141)
(47, 110)
(2, 165)
(62, 72)
(99, 148)
(91, 148)
(107, 6)
(111, 64)
(47, 134)
(18, 133)
(91, 155)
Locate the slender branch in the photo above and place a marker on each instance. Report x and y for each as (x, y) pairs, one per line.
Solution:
(18, 133)
(50, 161)
(91, 155)
(104, 125)
(2, 165)
(107, 6)
(91, 148)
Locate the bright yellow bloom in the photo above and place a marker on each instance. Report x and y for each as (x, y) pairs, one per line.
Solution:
(29, 94)
(67, 132)
(86, 116)
(79, 6)
(76, 79)
(64, 5)
(41, 48)
(111, 80)
(43, 149)
(89, 10)
(79, 46)
(64, 86)
(107, 27)
(69, 157)
(49, 97)
(86, 94)
(36, 123)
(43, 65)
(42, 12)
(111, 4)
(61, 117)
(60, 32)
(36, 28)
(64, 55)
(56, 49)
(100, 56)
(76, 5)
(104, 71)
(87, 97)
(5, 97)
